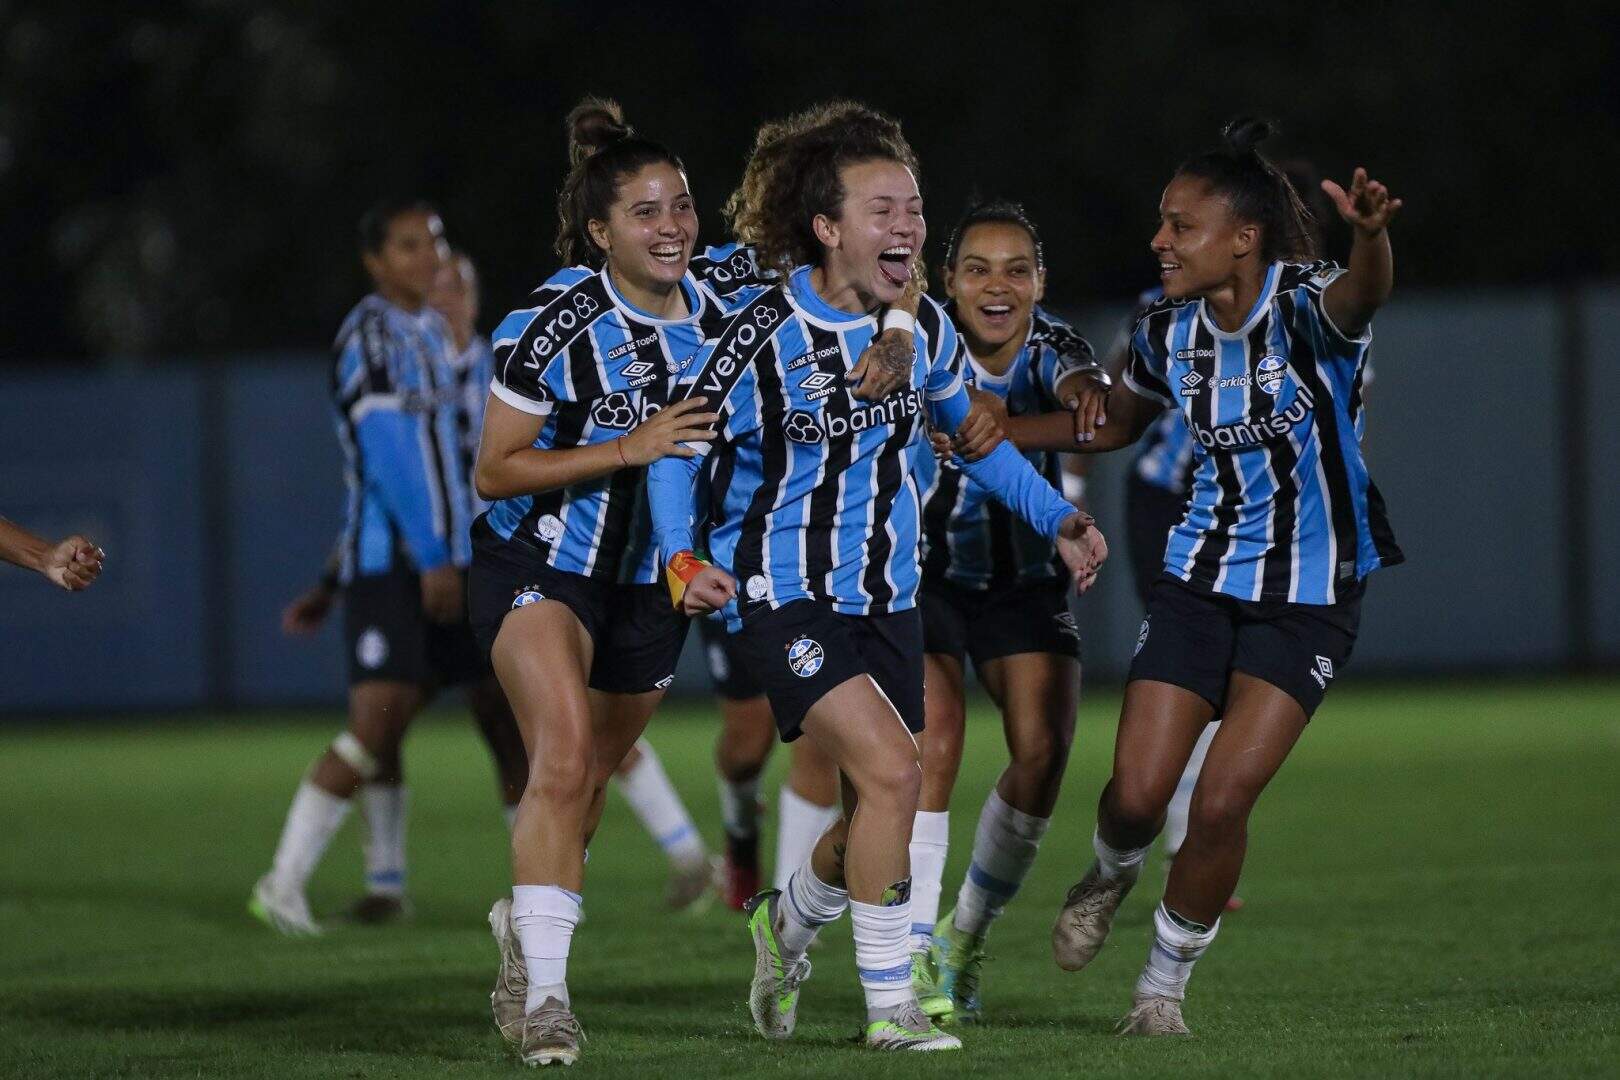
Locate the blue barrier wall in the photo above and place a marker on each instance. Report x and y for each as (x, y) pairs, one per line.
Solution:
(216, 492)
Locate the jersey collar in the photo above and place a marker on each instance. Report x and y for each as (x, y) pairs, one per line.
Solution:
(1268, 290)
(694, 301)
(818, 311)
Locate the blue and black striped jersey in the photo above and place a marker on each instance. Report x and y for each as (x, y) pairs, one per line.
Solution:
(474, 369)
(725, 268)
(395, 393)
(1282, 508)
(813, 494)
(594, 366)
(1164, 453)
(968, 538)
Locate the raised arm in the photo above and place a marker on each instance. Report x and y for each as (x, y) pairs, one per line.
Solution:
(1352, 298)
(72, 564)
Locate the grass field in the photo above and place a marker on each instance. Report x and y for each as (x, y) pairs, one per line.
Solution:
(1432, 892)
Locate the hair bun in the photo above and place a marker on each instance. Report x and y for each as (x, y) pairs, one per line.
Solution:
(592, 124)
(1244, 134)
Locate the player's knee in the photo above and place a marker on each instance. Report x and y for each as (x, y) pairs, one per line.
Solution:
(1043, 755)
(1136, 800)
(562, 776)
(1219, 810)
(891, 779)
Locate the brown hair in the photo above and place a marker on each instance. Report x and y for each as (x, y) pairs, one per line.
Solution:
(602, 151)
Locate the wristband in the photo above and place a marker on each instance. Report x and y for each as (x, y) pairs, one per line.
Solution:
(682, 569)
(619, 444)
(898, 319)
(1092, 369)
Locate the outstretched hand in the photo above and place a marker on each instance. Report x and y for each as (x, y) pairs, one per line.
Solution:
(1367, 206)
(1082, 548)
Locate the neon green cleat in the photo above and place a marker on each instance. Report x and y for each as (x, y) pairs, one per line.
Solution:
(773, 997)
(958, 958)
(908, 1029)
(935, 1004)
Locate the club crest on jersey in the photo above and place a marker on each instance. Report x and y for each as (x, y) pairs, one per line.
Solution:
(615, 411)
(819, 384)
(756, 587)
(1270, 372)
(801, 427)
(549, 528)
(529, 594)
(805, 657)
(371, 648)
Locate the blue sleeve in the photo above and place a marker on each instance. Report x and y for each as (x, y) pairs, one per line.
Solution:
(671, 487)
(397, 469)
(1005, 473)
(1145, 372)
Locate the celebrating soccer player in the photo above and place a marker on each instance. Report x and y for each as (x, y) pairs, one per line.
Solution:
(563, 587)
(814, 510)
(1255, 615)
(992, 591)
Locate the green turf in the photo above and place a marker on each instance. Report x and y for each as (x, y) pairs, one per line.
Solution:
(1432, 891)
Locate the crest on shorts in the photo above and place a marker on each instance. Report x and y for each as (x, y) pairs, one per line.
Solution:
(805, 657)
(529, 594)
(371, 648)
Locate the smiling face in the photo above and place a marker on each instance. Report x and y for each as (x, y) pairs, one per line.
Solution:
(412, 251)
(878, 232)
(650, 229)
(996, 283)
(1200, 244)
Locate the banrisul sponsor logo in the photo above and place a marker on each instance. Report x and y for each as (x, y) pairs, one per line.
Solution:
(897, 408)
(1253, 434)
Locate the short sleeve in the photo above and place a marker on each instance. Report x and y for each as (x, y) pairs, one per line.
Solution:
(1308, 282)
(947, 353)
(1145, 371)
(529, 363)
(1063, 352)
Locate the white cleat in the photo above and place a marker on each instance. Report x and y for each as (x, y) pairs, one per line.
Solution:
(908, 1029)
(512, 983)
(283, 911)
(1087, 916)
(1153, 1016)
(551, 1035)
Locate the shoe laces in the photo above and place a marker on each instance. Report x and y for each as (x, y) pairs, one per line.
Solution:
(911, 1017)
(555, 1023)
(794, 972)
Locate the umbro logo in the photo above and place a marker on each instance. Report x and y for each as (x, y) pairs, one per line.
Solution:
(637, 369)
(818, 384)
(1190, 384)
(1322, 672)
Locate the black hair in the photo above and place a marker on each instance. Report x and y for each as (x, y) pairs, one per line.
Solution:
(998, 212)
(602, 151)
(375, 221)
(1256, 190)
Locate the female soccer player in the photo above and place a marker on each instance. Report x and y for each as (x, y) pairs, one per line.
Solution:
(562, 592)
(814, 510)
(991, 591)
(1258, 608)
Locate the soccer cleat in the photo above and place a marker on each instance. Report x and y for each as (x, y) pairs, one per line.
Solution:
(959, 959)
(1088, 914)
(934, 1004)
(284, 912)
(1234, 903)
(741, 870)
(551, 1035)
(511, 991)
(375, 909)
(773, 996)
(908, 1029)
(1153, 1016)
(691, 885)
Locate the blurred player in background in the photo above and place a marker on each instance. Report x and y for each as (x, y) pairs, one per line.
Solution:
(400, 393)
(817, 518)
(72, 564)
(992, 590)
(1257, 612)
(564, 587)
(461, 378)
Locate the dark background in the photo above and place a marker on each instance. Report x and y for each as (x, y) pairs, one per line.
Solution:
(182, 179)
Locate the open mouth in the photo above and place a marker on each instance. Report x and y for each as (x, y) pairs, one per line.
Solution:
(895, 265)
(1168, 269)
(996, 316)
(668, 254)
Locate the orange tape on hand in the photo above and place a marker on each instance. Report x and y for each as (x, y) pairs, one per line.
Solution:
(682, 569)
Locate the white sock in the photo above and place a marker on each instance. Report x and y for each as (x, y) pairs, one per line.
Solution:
(1175, 816)
(383, 806)
(805, 906)
(509, 814)
(799, 824)
(930, 840)
(1004, 848)
(312, 819)
(647, 789)
(1177, 945)
(739, 807)
(544, 917)
(1115, 862)
(883, 954)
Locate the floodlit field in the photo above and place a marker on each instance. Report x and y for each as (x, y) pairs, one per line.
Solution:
(1432, 892)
